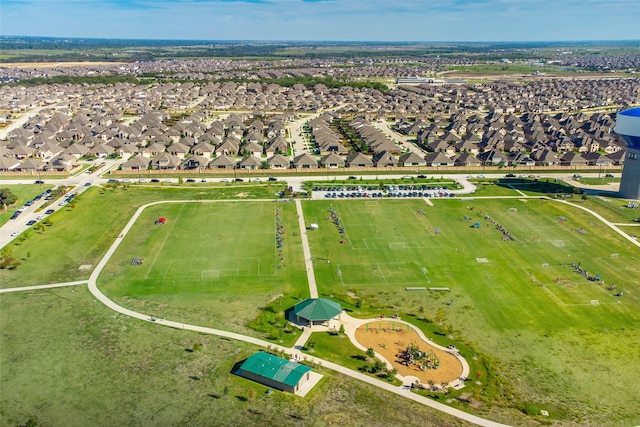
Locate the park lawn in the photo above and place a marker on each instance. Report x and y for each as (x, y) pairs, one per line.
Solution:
(612, 209)
(67, 360)
(598, 181)
(212, 264)
(498, 305)
(80, 235)
(337, 348)
(24, 192)
(488, 188)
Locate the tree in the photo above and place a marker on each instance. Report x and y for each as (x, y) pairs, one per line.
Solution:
(7, 260)
(7, 198)
(370, 352)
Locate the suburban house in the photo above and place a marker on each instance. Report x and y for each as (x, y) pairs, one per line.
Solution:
(357, 159)
(278, 161)
(304, 161)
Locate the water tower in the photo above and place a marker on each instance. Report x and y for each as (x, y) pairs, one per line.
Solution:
(628, 127)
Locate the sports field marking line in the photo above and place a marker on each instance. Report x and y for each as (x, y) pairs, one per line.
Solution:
(173, 224)
(37, 287)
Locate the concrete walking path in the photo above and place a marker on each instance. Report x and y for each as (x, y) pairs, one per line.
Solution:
(308, 261)
(38, 287)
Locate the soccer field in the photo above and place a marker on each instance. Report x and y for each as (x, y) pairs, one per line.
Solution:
(514, 287)
(516, 267)
(218, 260)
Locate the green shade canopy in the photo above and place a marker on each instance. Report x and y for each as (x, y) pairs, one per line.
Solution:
(317, 309)
(269, 366)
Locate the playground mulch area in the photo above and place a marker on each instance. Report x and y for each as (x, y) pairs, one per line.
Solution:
(390, 339)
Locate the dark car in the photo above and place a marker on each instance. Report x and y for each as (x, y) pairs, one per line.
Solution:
(39, 182)
(272, 179)
(239, 180)
(190, 180)
(155, 180)
(510, 175)
(31, 222)
(609, 175)
(49, 211)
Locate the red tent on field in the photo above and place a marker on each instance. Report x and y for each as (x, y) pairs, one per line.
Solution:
(161, 220)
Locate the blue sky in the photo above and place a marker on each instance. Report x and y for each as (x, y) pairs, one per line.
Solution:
(326, 20)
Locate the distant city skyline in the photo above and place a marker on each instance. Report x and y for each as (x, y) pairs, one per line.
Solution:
(325, 20)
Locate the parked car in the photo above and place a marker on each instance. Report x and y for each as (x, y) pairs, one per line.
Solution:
(31, 222)
(272, 179)
(39, 181)
(609, 175)
(49, 211)
(155, 180)
(190, 180)
(510, 175)
(15, 233)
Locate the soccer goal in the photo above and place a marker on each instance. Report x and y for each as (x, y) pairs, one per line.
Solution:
(210, 274)
(594, 302)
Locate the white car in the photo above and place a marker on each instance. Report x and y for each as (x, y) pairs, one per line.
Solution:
(40, 217)
(15, 233)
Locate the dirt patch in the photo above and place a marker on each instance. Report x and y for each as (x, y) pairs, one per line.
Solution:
(242, 195)
(390, 339)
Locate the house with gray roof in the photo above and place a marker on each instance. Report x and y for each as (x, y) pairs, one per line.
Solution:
(304, 161)
(222, 162)
(358, 160)
(384, 159)
(332, 161)
(412, 159)
(250, 162)
(278, 161)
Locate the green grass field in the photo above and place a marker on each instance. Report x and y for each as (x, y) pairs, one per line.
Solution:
(211, 263)
(536, 333)
(518, 301)
(67, 361)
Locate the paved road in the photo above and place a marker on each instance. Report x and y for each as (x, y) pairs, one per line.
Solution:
(21, 121)
(405, 141)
